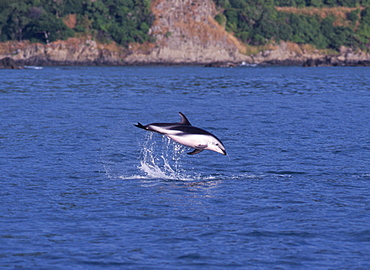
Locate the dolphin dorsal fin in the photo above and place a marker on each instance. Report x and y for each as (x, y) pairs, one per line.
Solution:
(184, 120)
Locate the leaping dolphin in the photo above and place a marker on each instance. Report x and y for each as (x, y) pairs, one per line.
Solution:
(186, 134)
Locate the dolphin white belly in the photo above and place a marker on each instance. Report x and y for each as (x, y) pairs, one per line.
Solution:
(193, 141)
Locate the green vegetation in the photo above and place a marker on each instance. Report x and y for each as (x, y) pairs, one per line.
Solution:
(260, 22)
(255, 22)
(123, 21)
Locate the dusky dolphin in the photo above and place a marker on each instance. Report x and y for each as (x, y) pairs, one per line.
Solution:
(186, 134)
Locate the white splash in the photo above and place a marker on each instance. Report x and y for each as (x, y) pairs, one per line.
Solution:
(163, 163)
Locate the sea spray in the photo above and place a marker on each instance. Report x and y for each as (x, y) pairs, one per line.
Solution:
(164, 160)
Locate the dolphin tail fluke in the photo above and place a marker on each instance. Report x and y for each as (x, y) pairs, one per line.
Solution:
(196, 151)
(140, 126)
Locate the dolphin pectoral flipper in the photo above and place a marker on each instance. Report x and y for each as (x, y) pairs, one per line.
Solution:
(196, 151)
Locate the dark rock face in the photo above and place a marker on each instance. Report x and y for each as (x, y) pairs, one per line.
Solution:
(8, 63)
(318, 62)
(334, 61)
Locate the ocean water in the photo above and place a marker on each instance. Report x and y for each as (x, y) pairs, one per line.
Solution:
(82, 188)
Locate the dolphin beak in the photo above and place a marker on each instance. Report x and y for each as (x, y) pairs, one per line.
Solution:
(220, 149)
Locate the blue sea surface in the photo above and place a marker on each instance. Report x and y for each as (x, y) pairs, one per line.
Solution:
(83, 188)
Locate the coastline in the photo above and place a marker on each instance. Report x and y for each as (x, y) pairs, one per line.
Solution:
(87, 52)
(185, 33)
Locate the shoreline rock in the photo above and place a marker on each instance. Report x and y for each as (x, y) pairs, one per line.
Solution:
(9, 63)
(80, 54)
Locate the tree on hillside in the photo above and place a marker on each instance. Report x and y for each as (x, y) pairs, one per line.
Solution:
(259, 22)
(123, 21)
(17, 19)
(364, 29)
(48, 28)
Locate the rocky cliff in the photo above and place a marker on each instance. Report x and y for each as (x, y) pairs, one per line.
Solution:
(185, 33)
(74, 51)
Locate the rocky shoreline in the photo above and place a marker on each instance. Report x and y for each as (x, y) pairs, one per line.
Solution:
(89, 53)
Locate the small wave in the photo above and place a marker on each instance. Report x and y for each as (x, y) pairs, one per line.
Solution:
(123, 177)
